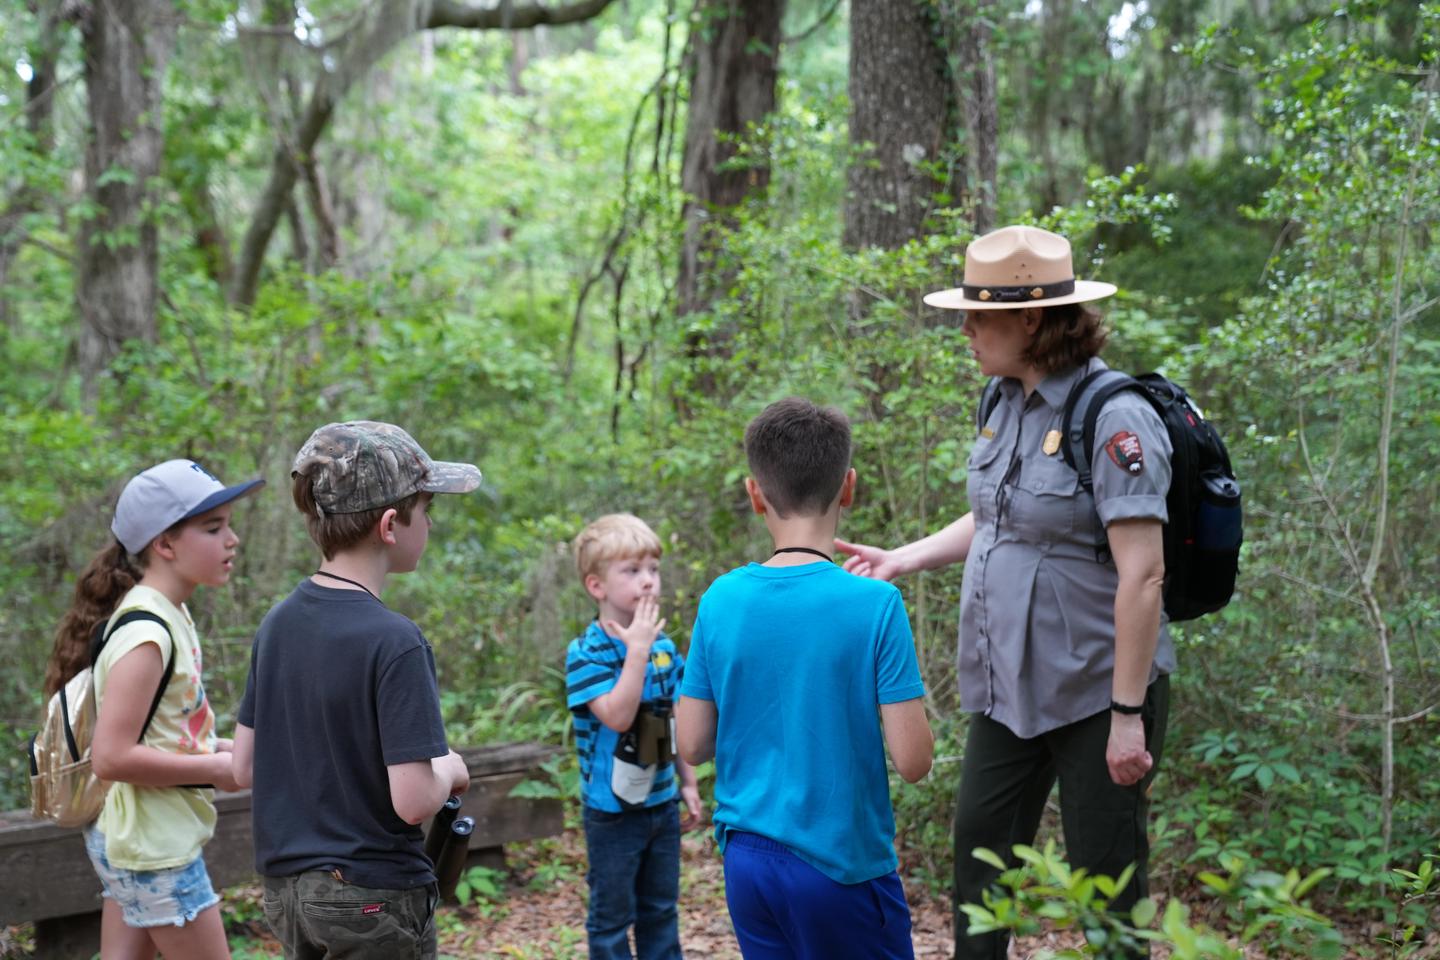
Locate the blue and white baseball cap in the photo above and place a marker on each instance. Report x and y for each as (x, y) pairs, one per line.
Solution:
(157, 499)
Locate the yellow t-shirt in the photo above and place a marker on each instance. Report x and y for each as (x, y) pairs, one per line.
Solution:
(155, 828)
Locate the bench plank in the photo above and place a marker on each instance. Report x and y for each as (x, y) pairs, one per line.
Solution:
(45, 873)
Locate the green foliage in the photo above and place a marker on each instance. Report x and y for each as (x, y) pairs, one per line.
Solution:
(923, 811)
(482, 887)
(1259, 907)
(1416, 888)
(561, 781)
(509, 242)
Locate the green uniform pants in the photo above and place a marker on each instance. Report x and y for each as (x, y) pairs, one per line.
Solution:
(1004, 783)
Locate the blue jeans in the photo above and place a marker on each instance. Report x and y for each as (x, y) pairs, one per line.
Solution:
(782, 908)
(634, 878)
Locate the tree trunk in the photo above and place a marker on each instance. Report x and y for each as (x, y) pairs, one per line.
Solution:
(127, 46)
(971, 27)
(902, 116)
(1043, 132)
(44, 58)
(734, 69)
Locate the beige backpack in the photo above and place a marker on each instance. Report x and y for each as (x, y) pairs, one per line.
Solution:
(63, 788)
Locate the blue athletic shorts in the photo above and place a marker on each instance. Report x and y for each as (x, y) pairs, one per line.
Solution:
(152, 898)
(782, 908)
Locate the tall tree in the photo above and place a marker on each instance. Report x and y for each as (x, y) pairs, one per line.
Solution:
(902, 114)
(735, 57)
(970, 27)
(127, 45)
(43, 56)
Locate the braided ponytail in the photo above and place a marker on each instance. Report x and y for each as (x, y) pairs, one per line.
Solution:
(98, 590)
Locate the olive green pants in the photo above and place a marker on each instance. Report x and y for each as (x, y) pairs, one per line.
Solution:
(1004, 783)
(317, 917)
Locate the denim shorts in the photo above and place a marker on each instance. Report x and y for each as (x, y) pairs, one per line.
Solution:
(152, 898)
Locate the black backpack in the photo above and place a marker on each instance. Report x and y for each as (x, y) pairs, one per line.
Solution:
(1204, 532)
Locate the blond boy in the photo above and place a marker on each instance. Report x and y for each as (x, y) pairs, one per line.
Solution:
(622, 677)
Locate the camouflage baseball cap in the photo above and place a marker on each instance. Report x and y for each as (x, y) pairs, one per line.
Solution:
(364, 464)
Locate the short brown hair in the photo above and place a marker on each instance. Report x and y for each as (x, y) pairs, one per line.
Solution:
(1068, 335)
(336, 532)
(799, 454)
(615, 536)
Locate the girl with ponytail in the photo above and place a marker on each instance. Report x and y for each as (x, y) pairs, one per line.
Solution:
(172, 535)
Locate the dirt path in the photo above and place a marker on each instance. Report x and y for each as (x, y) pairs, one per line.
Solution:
(539, 910)
(535, 910)
(544, 914)
(543, 917)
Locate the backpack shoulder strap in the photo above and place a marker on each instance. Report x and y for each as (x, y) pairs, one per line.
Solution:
(70, 742)
(102, 637)
(989, 400)
(1082, 408)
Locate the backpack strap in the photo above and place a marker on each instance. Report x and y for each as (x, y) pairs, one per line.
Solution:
(1077, 425)
(97, 644)
(989, 400)
(70, 743)
(1082, 408)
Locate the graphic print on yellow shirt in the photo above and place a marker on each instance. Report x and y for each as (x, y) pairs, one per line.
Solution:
(154, 828)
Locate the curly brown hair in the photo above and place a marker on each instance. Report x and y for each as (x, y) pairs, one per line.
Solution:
(104, 581)
(1068, 335)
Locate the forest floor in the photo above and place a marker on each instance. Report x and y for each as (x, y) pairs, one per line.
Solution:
(535, 910)
(539, 912)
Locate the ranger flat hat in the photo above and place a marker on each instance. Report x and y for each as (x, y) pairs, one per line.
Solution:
(365, 464)
(1016, 267)
(160, 497)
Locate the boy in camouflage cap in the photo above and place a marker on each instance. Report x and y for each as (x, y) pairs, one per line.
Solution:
(340, 728)
(364, 464)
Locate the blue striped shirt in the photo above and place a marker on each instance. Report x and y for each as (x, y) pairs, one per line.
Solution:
(592, 668)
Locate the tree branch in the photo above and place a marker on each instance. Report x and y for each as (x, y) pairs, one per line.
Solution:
(820, 21)
(362, 47)
(448, 13)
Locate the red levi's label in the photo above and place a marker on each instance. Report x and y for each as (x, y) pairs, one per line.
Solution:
(373, 908)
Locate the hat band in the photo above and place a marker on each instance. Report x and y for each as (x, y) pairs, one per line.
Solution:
(1019, 294)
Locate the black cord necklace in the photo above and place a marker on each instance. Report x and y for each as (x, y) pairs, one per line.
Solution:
(823, 556)
(357, 583)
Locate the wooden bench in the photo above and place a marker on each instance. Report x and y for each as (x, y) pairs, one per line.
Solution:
(46, 877)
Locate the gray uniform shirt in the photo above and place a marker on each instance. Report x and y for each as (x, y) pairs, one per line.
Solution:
(1037, 610)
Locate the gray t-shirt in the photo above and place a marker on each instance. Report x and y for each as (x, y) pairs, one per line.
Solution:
(1037, 610)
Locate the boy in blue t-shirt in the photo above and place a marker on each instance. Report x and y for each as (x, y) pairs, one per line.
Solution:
(622, 676)
(790, 660)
